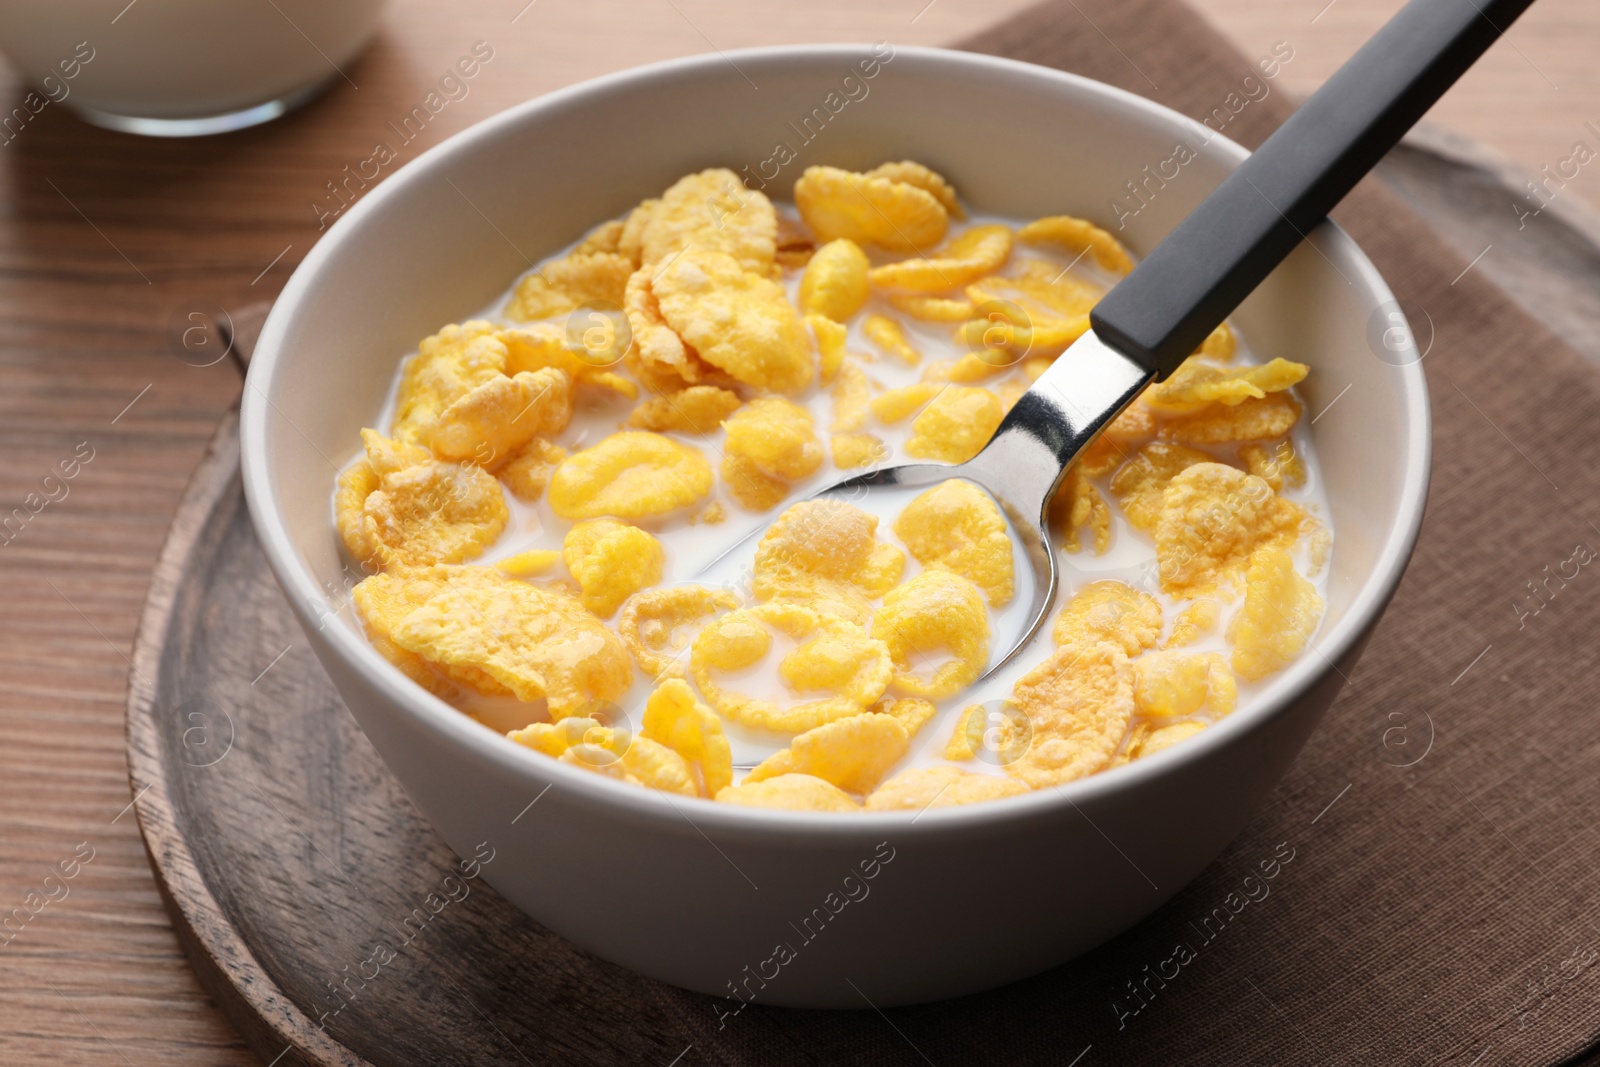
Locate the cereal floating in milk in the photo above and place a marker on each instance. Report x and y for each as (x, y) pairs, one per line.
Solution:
(536, 506)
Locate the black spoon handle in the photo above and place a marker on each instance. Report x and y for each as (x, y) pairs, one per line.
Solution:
(1194, 279)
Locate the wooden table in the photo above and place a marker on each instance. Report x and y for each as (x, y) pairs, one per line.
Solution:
(108, 240)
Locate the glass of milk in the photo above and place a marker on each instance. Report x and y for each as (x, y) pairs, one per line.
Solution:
(178, 68)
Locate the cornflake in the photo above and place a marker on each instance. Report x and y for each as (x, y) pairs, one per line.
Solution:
(447, 366)
(673, 717)
(955, 425)
(570, 282)
(1175, 685)
(1112, 611)
(712, 211)
(1280, 613)
(499, 417)
(1213, 517)
(888, 335)
(1197, 384)
(1075, 235)
(529, 469)
(699, 409)
(835, 281)
(936, 629)
(980, 251)
(825, 553)
(867, 209)
(920, 788)
(651, 621)
(736, 320)
(1140, 486)
(854, 753)
(611, 562)
(433, 513)
(1079, 703)
(957, 526)
(629, 475)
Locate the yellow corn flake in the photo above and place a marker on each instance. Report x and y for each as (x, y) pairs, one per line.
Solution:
(673, 717)
(1006, 341)
(712, 211)
(1281, 611)
(562, 285)
(888, 335)
(752, 487)
(1128, 431)
(967, 735)
(529, 470)
(585, 742)
(795, 246)
(611, 561)
(651, 622)
(658, 356)
(1078, 506)
(383, 600)
(1078, 704)
(937, 631)
(831, 338)
(1164, 737)
(851, 394)
(447, 366)
(835, 282)
(433, 513)
(1076, 235)
(912, 713)
(920, 788)
(630, 475)
(656, 766)
(499, 417)
(1196, 384)
(349, 511)
(1176, 685)
(893, 405)
(698, 409)
(854, 753)
(606, 237)
(1249, 420)
(736, 320)
(1141, 483)
(854, 450)
(932, 308)
(556, 738)
(980, 251)
(1193, 622)
(630, 242)
(541, 645)
(790, 792)
(1213, 518)
(891, 214)
(1282, 466)
(385, 456)
(957, 526)
(916, 174)
(968, 368)
(825, 553)
(776, 435)
(544, 346)
(956, 425)
(1220, 344)
(1112, 611)
(530, 564)
(833, 656)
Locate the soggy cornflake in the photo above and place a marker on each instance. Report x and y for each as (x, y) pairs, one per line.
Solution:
(980, 251)
(912, 713)
(854, 753)
(712, 211)
(893, 405)
(1141, 484)
(447, 366)
(1078, 703)
(1175, 685)
(673, 717)
(630, 475)
(835, 281)
(932, 308)
(611, 561)
(1075, 235)
(1278, 467)
(1198, 618)
(955, 425)
(936, 628)
(963, 369)
(833, 656)
(1249, 420)
(851, 394)
(957, 526)
(699, 409)
(920, 788)
(530, 468)
(383, 600)
(657, 356)
(777, 435)
(565, 284)
(790, 792)
(1162, 738)
(533, 563)
(1078, 506)
(752, 487)
(544, 345)
(349, 508)
(1281, 611)
(539, 644)
(1213, 517)
(589, 744)
(923, 178)
(831, 338)
(1198, 383)
(1220, 344)
(499, 417)
(433, 513)
(855, 450)
(652, 624)
(1112, 611)
(890, 338)
(736, 320)
(826, 554)
(877, 210)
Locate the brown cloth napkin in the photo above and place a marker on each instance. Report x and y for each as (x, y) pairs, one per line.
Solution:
(1431, 913)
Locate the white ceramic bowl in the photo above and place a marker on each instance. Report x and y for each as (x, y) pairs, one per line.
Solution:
(703, 895)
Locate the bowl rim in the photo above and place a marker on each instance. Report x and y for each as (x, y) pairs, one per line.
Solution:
(663, 810)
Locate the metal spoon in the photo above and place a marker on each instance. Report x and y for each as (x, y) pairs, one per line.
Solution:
(1156, 316)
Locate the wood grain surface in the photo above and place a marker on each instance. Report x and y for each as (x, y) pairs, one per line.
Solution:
(106, 240)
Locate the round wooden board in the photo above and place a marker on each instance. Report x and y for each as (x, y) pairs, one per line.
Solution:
(291, 861)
